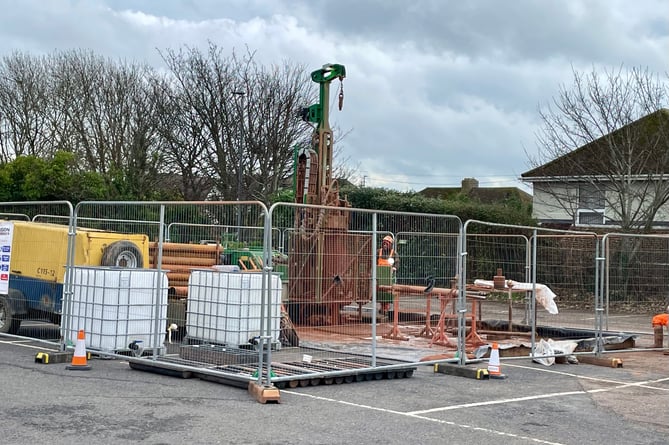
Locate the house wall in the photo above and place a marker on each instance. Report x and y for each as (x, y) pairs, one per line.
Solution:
(662, 216)
(546, 203)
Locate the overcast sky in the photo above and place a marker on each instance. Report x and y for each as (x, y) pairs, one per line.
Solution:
(436, 90)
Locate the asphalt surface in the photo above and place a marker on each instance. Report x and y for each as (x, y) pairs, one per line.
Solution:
(112, 404)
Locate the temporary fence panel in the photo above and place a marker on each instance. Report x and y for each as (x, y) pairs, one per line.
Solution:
(323, 295)
(495, 258)
(32, 268)
(566, 263)
(635, 285)
(353, 306)
(185, 241)
(539, 284)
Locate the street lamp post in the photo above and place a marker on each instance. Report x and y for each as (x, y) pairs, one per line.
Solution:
(240, 154)
(240, 150)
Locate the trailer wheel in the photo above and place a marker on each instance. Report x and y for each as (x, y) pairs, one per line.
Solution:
(122, 254)
(8, 323)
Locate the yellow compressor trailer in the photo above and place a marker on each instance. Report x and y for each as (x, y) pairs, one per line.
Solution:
(33, 261)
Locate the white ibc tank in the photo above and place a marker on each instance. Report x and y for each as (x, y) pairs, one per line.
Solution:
(117, 306)
(225, 307)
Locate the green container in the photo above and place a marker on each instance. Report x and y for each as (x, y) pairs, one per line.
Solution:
(232, 256)
(282, 270)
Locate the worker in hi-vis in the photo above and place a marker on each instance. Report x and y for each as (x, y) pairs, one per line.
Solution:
(387, 257)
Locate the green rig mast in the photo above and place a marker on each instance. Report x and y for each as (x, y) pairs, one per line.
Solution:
(322, 140)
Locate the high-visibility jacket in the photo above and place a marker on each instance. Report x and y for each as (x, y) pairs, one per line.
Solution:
(382, 260)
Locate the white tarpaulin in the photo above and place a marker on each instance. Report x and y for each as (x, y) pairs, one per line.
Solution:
(543, 294)
(545, 351)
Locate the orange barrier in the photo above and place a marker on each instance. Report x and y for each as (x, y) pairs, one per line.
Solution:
(661, 320)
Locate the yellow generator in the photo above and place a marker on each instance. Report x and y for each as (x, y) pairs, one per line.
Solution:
(33, 259)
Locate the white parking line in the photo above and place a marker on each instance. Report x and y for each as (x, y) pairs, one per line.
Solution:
(15, 341)
(418, 416)
(545, 396)
(18, 343)
(497, 402)
(22, 343)
(596, 379)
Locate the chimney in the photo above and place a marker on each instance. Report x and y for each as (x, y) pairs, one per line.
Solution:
(469, 184)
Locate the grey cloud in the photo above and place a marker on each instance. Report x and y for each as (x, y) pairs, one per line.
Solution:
(509, 31)
(436, 89)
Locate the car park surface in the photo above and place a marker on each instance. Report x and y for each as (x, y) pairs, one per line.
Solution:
(561, 404)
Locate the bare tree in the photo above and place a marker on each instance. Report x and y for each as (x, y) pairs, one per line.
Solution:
(100, 110)
(212, 120)
(183, 140)
(282, 91)
(240, 108)
(204, 91)
(23, 101)
(109, 112)
(604, 145)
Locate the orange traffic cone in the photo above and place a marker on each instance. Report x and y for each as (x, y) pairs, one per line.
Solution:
(79, 359)
(494, 366)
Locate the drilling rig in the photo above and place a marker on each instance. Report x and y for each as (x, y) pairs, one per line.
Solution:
(326, 262)
(314, 183)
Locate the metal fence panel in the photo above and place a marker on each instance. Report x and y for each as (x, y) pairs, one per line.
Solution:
(302, 294)
(635, 284)
(566, 263)
(551, 295)
(351, 310)
(203, 263)
(32, 268)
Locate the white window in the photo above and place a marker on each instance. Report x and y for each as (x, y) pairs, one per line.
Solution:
(590, 217)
